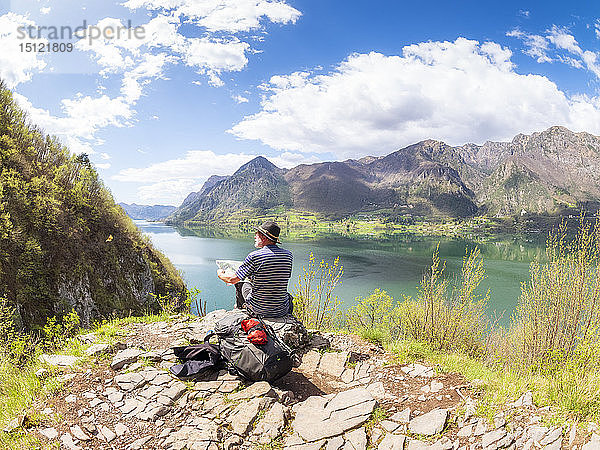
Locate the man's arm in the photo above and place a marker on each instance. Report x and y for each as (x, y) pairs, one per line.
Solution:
(231, 280)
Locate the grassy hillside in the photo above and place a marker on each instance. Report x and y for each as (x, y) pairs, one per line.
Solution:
(64, 243)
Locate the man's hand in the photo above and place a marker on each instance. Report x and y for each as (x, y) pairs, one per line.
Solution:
(229, 280)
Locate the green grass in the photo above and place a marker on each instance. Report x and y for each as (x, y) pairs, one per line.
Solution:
(574, 396)
(379, 414)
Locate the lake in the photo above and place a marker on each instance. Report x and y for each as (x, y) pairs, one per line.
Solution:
(396, 264)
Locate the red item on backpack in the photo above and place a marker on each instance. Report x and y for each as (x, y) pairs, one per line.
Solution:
(257, 337)
(248, 324)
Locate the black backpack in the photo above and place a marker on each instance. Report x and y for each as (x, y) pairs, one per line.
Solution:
(198, 361)
(267, 360)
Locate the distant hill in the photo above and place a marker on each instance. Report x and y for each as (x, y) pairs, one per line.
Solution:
(257, 185)
(147, 212)
(546, 172)
(212, 181)
(64, 243)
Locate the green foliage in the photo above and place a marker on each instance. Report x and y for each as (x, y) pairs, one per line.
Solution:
(370, 317)
(551, 347)
(56, 332)
(193, 302)
(60, 227)
(448, 317)
(378, 415)
(314, 302)
(557, 321)
(370, 312)
(15, 347)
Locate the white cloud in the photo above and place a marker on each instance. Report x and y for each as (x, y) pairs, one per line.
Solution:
(174, 179)
(104, 156)
(223, 15)
(597, 28)
(138, 58)
(563, 40)
(288, 160)
(45, 10)
(459, 92)
(168, 192)
(217, 51)
(17, 66)
(194, 165)
(83, 117)
(102, 166)
(537, 46)
(239, 98)
(560, 38)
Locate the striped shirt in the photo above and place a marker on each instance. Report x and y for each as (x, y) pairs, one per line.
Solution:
(269, 269)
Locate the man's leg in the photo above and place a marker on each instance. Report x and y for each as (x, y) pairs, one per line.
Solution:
(243, 289)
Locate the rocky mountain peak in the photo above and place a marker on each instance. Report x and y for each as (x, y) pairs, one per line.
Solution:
(260, 162)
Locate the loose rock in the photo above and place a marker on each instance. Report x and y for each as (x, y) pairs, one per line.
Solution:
(429, 424)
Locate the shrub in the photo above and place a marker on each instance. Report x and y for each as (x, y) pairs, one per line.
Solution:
(167, 304)
(371, 315)
(446, 317)
(556, 325)
(193, 302)
(56, 332)
(16, 347)
(314, 302)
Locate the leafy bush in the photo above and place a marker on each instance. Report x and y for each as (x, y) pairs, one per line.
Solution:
(57, 332)
(371, 315)
(314, 302)
(193, 302)
(15, 347)
(447, 317)
(556, 325)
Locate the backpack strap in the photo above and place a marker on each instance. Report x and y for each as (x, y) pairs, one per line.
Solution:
(210, 334)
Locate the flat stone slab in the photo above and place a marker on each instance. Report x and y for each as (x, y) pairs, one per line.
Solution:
(320, 418)
(357, 439)
(418, 370)
(258, 389)
(49, 433)
(127, 356)
(593, 444)
(60, 360)
(98, 349)
(392, 442)
(200, 436)
(492, 437)
(310, 362)
(401, 416)
(271, 425)
(333, 363)
(130, 381)
(430, 423)
(243, 416)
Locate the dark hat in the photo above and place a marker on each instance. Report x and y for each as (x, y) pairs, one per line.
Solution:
(270, 230)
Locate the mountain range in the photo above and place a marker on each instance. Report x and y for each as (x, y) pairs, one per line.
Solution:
(542, 173)
(147, 212)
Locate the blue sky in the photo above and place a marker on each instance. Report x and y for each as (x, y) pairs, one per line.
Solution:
(213, 83)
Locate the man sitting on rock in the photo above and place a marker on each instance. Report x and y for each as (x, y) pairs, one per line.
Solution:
(261, 281)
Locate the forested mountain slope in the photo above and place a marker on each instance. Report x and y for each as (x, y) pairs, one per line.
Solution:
(64, 243)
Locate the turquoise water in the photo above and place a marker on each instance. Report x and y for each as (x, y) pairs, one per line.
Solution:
(395, 265)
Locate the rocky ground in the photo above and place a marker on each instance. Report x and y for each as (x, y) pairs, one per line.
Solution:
(347, 394)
